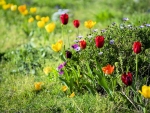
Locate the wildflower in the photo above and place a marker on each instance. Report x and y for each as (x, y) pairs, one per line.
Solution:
(127, 78)
(89, 24)
(145, 91)
(99, 41)
(76, 47)
(147, 25)
(60, 67)
(57, 47)
(33, 10)
(50, 27)
(100, 53)
(25, 12)
(68, 54)
(111, 42)
(141, 26)
(40, 24)
(61, 72)
(76, 23)
(64, 19)
(37, 17)
(30, 20)
(45, 19)
(125, 19)
(64, 88)
(82, 44)
(13, 7)
(137, 47)
(108, 69)
(72, 95)
(6, 6)
(80, 37)
(90, 36)
(95, 30)
(38, 85)
(47, 70)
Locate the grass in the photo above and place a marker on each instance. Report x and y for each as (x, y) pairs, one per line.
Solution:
(17, 92)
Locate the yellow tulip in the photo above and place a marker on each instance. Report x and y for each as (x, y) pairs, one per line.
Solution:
(57, 47)
(30, 20)
(45, 19)
(50, 27)
(5, 6)
(37, 17)
(47, 70)
(40, 24)
(22, 8)
(38, 85)
(64, 88)
(2, 2)
(25, 12)
(145, 91)
(33, 10)
(89, 24)
(72, 95)
(13, 8)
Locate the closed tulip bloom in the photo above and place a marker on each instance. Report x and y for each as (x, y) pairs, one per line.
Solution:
(64, 18)
(58, 46)
(47, 70)
(76, 23)
(40, 24)
(82, 44)
(89, 24)
(33, 10)
(108, 69)
(68, 54)
(99, 41)
(145, 91)
(127, 78)
(13, 7)
(64, 88)
(50, 27)
(137, 47)
(72, 95)
(30, 20)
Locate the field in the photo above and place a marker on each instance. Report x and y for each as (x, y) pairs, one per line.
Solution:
(74, 56)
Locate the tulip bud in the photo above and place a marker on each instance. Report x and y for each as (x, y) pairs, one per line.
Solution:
(68, 54)
(99, 41)
(127, 78)
(76, 23)
(137, 47)
(64, 18)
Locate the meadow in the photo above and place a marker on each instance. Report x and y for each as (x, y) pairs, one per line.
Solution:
(74, 56)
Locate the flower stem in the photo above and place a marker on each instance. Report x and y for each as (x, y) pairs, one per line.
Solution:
(136, 61)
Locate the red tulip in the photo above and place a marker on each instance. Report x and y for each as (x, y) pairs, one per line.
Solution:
(127, 78)
(99, 41)
(137, 47)
(76, 23)
(82, 44)
(64, 18)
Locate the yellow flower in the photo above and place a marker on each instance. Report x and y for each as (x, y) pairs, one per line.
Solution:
(145, 91)
(47, 70)
(33, 10)
(6, 6)
(72, 95)
(45, 19)
(37, 17)
(89, 24)
(30, 20)
(50, 27)
(13, 8)
(57, 47)
(25, 12)
(22, 8)
(40, 24)
(38, 85)
(2, 2)
(64, 88)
